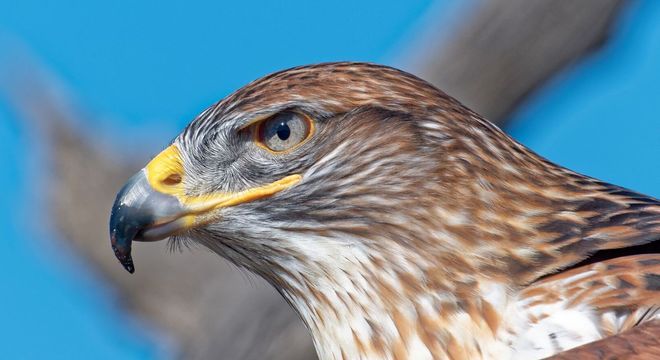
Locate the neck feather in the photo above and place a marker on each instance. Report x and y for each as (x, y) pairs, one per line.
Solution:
(393, 304)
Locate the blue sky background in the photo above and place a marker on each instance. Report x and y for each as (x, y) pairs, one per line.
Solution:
(144, 69)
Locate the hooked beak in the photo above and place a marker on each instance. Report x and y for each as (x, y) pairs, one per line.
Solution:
(153, 205)
(143, 214)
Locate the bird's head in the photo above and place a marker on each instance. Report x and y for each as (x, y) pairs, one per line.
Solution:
(324, 164)
(292, 163)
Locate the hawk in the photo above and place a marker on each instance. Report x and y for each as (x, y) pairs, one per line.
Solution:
(397, 222)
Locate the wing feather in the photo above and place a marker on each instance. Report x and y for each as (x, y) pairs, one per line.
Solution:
(639, 343)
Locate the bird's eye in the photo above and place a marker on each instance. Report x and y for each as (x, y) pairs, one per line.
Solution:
(283, 131)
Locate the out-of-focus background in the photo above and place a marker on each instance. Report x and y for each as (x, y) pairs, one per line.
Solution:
(90, 90)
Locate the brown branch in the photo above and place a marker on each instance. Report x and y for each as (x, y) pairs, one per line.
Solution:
(508, 48)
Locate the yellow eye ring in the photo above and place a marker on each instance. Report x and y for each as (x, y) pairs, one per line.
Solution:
(283, 132)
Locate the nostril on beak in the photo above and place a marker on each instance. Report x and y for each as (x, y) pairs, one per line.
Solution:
(172, 180)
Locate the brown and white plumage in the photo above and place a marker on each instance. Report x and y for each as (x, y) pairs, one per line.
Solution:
(640, 343)
(404, 225)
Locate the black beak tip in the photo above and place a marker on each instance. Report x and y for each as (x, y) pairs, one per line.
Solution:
(124, 258)
(129, 267)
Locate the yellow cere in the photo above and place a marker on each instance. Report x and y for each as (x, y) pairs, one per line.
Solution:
(165, 172)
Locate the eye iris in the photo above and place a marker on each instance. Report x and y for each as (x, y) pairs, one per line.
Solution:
(283, 131)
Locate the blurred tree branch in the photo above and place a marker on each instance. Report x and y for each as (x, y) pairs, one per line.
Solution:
(508, 48)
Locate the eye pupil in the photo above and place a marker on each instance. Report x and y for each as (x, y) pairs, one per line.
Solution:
(283, 131)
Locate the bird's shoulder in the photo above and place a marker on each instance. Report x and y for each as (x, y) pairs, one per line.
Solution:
(589, 303)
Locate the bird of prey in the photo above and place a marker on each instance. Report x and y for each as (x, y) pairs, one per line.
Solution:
(398, 223)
